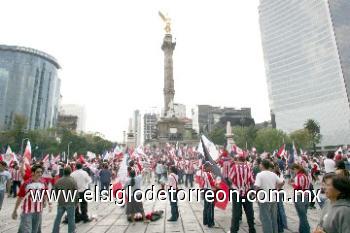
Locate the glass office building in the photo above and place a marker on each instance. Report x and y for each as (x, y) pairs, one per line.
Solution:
(306, 46)
(29, 86)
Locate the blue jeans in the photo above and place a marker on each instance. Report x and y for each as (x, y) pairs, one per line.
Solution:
(30, 223)
(268, 217)
(208, 214)
(189, 179)
(174, 207)
(2, 196)
(301, 207)
(281, 217)
(71, 218)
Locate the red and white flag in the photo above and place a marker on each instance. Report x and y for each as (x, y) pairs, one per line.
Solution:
(238, 151)
(46, 158)
(56, 159)
(9, 157)
(281, 151)
(27, 159)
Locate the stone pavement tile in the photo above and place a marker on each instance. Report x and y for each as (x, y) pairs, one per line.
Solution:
(138, 227)
(213, 230)
(117, 229)
(99, 228)
(11, 230)
(85, 227)
(109, 220)
(156, 227)
(122, 221)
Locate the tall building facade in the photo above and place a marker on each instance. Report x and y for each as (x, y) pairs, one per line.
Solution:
(74, 110)
(306, 46)
(150, 126)
(29, 86)
(137, 127)
(205, 118)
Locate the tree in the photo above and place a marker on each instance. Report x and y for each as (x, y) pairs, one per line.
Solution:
(269, 139)
(313, 127)
(217, 136)
(244, 136)
(44, 141)
(14, 136)
(302, 138)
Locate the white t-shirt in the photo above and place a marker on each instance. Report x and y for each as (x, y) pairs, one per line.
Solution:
(5, 176)
(82, 178)
(267, 180)
(329, 165)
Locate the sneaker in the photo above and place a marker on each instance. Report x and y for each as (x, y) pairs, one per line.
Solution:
(87, 220)
(172, 220)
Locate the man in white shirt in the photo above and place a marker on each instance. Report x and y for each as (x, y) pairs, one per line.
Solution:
(83, 180)
(173, 184)
(267, 181)
(329, 163)
(5, 178)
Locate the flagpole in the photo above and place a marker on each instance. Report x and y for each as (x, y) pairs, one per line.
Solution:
(22, 144)
(68, 150)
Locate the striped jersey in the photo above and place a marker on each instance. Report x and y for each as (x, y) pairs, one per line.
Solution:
(208, 180)
(301, 181)
(29, 205)
(225, 167)
(242, 179)
(189, 168)
(16, 174)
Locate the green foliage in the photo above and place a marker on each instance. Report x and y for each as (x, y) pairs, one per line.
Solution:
(313, 127)
(302, 139)
(244, 136)
(217, 136)
(269, 139)
(52, 141)
(266, 139)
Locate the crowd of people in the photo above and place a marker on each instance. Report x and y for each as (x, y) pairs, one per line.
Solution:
(240, 171)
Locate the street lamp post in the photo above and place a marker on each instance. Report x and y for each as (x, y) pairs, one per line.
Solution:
(22, 144)
(124, 133)
(68, 150)
(244, 132)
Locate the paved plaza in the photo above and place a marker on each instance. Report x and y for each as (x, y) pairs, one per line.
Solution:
(111, 218)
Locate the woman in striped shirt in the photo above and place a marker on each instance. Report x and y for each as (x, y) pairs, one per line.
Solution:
(301, 183)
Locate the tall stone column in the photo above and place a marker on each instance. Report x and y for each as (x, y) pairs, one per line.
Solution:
(229, 134)
(168, 47)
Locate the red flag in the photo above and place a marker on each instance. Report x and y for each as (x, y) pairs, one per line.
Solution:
(281, 151)
(224, 198)
(81, 159)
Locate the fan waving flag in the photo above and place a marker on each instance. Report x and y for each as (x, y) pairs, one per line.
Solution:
(220, 183)
(207, 157)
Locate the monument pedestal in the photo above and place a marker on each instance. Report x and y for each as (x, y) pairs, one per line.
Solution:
(131, 142)
(170, 130)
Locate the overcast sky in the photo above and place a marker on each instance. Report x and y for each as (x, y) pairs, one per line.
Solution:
(112, 61)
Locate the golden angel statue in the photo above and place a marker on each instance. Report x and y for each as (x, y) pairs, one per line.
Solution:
(167, 21)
